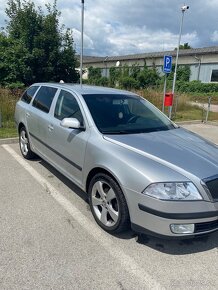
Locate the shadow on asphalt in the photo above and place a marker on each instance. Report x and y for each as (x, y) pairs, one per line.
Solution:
(167, 246)
(180, 246)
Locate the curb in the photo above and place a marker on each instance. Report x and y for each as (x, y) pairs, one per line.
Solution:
(213, 123)
(9, 141)
(189, 122)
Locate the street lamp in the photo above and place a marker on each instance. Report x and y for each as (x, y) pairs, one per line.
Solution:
(183, 9)
(81, 49)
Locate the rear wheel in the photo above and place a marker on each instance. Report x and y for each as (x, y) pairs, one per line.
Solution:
(25, 144)
(108, 204)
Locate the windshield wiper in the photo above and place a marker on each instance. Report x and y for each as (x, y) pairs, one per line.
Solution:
(116, 132)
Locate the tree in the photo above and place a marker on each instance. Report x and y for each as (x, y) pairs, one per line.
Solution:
(48, 49)
(115, 74)
(148, 77)
(184, 46)
(94, 75)
(183, 73)
(12, 61)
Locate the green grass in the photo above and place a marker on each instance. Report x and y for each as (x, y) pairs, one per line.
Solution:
(8, 133)
(8, 99)
(8, 130)
(203, 98)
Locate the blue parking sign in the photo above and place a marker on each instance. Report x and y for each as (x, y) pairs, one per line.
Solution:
(167, 64)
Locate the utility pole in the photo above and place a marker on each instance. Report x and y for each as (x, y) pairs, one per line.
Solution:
(81, 49)
(183, 9)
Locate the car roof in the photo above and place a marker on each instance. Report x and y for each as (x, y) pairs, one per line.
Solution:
(85, 89)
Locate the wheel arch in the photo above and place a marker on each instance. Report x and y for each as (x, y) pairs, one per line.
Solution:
(21, 125)
(97, 170)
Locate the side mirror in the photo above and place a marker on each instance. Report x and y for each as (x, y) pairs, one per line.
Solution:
(71, 123)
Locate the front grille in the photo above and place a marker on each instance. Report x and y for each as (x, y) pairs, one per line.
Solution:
(213, 188)
(205, 227)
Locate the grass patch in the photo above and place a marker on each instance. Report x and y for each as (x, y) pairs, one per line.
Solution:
(8, 99)
(8, 133)
(203, 98)
(8, 130)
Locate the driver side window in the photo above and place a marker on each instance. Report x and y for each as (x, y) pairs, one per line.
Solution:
(67, 107)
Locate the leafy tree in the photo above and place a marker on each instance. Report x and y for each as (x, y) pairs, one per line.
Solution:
(12, 61)
(148, 77)
(182, 74)
(46, 52)
(185, 46)
(94, 75)
(115, 74)
(103, 81)
(135, 71)
(128, 83)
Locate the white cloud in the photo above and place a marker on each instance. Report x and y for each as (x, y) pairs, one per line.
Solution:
(135, 26)
(130, 39)
(87, 41)
(214, 36)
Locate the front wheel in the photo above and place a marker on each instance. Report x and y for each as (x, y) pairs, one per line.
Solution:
(108, 204)
(25, 144)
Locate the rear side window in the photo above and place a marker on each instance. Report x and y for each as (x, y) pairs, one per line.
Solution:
(44, 98)
(29, 93)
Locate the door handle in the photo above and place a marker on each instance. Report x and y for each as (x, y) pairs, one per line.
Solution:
(27, 114)
(50, 127)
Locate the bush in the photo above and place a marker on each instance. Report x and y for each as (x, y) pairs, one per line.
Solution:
(8, 99)
(196, 87)
(128, 83)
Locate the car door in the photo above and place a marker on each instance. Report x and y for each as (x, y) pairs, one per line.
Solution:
(68, 145)
(38, 119)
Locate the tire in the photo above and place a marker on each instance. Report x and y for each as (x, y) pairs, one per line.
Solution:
(108, 204)
(25, 144)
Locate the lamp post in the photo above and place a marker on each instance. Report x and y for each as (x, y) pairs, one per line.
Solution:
(183, 9)
(81, 49)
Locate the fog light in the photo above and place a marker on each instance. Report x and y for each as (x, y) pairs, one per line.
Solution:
(182, 228)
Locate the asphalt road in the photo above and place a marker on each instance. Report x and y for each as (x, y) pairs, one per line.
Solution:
(206, 130)
(49, 240)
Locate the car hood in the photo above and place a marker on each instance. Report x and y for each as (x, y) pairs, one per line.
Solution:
(178, 149)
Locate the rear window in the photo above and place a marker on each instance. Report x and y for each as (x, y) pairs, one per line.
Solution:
(28, 94)
(44, 98)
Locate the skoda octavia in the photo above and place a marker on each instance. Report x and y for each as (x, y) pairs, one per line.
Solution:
(138, 168)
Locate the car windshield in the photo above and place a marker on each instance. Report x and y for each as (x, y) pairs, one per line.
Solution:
(125, 114)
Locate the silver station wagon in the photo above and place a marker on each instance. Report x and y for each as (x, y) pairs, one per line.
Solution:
(138, 168)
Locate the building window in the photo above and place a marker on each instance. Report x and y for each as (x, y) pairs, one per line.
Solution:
(214, 75)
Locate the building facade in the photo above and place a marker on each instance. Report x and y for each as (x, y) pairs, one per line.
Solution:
(203, 62)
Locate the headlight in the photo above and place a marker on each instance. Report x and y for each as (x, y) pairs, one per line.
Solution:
(173, 191)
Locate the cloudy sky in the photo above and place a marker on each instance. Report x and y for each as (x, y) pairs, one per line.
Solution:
(119, 27)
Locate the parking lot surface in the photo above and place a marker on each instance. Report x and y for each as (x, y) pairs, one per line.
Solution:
(206, 130)
(49, 240)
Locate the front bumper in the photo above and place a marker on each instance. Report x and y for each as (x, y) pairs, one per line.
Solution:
(152, 216)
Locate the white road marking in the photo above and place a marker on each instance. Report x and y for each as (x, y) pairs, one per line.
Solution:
(117, 253)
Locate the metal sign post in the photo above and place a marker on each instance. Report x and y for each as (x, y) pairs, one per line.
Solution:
(167, 67)
(164, 93)
(208, 108)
